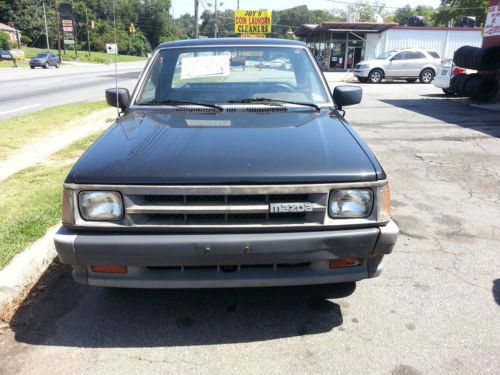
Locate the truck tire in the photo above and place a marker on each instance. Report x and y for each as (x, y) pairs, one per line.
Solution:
(427, 75)
(457, 84)
(480, 87)
(487, 58)
(376, 76)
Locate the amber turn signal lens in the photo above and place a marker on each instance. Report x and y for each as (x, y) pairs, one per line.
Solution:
(109, 269)
(384, 203)
(345, 262)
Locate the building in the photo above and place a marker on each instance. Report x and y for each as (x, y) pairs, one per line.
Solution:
(341, 45)
(12, 33)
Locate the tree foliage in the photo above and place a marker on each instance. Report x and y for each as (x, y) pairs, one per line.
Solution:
(402, 14)
(4, 41)
(456, 9)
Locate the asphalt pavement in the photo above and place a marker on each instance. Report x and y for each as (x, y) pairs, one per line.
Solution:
(23, 90)
(434, 310)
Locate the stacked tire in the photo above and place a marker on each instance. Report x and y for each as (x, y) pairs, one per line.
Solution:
(475, 85)
(477, 58)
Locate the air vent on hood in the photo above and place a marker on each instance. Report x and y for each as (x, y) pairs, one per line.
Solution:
(232, 109)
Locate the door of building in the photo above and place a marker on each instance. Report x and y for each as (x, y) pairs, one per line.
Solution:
(354, 56)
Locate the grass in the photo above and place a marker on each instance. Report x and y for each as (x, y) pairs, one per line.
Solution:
(18, 131)
(8, 64)
(95, 57)
(30, 202)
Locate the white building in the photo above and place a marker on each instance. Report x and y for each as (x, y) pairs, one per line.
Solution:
(341, 45)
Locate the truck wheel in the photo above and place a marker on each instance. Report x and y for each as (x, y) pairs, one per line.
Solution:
(362, 79)
(411, 80)
(376, 76)
(426, 76)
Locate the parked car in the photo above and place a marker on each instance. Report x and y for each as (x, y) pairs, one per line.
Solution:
(219, 177)
(5, 55)
(44, 60)
(446, 71)
(409, 64)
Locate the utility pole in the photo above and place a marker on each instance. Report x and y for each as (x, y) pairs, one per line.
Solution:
(88, 33)
(46, 28)
(238, 4)
(196, 19)
(58, 31)
(216, 26)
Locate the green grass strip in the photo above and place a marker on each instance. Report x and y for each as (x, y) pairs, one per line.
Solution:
(30, 201)
(19, 131)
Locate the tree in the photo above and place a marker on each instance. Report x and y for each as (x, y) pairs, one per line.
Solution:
(185, 25)
(367, 11)
(4, 41)
(456, 9)
(401, 15)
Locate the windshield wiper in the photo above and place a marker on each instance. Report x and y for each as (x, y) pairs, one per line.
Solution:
(269, 100)
(181, 102)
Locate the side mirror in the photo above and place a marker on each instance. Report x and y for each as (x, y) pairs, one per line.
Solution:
(118, 97)
(347, 95)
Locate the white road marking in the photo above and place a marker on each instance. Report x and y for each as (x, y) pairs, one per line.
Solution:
(20, 109)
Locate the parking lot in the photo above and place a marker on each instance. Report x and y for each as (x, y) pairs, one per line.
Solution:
(435, 309)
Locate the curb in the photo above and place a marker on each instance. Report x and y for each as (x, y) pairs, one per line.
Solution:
(17, 277)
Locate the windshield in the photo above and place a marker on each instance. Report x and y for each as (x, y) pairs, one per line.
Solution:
(386, 55)
(231, 74)
(42, 55)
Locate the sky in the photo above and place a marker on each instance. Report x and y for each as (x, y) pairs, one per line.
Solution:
(187, 6)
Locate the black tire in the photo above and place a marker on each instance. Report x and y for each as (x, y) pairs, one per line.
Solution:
(426, 76)
(480, 87)
(376, 76)
(411, 80)
(45, 66)
(57, 65)
(448, 92)
(362, 79)
(491, 57)
(32, 67)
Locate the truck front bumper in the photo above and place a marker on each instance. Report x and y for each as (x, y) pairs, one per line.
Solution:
(162, 260)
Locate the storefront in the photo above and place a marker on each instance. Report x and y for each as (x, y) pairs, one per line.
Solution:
(339, 45)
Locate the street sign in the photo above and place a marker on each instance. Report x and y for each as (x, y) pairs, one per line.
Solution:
(69, 41)
(111, 48)
(252, 21)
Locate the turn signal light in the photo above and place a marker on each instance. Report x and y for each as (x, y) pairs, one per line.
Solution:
(345, 262)
(109, 269)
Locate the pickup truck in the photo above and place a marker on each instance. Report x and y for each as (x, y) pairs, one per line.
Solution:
(217, 176)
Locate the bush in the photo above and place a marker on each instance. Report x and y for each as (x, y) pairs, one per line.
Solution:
(26, 40)
(4, 41)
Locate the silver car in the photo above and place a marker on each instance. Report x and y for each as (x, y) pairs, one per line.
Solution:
(409, 64)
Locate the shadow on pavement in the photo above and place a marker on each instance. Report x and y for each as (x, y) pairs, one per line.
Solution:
(496, 291)
(453, 112)
(60, 312)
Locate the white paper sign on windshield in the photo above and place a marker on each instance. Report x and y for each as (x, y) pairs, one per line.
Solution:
(205, 66)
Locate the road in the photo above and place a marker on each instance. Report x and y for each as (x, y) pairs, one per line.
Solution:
(24, 90)
(434, 310)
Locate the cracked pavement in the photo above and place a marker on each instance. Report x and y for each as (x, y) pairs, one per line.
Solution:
(434, 310)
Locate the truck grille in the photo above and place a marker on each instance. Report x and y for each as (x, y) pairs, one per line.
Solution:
(221, 210)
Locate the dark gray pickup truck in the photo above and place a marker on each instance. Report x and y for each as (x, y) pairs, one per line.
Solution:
(225, 170)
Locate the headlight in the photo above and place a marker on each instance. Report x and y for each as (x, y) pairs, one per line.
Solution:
(351, 203)
(100, 205)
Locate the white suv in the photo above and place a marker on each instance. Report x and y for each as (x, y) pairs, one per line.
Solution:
(408, 64)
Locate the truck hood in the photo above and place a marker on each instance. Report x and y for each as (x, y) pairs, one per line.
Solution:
(242, 147)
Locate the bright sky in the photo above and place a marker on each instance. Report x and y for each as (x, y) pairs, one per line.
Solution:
(187, 6)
